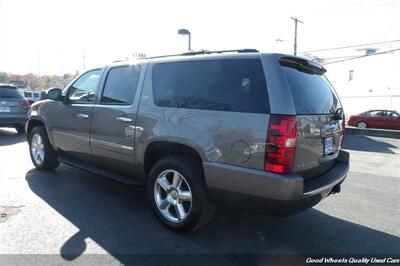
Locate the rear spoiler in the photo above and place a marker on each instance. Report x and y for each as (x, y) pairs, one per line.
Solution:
(301, 64)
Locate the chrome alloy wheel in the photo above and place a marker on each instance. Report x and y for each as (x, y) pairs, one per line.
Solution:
(172, 195)
(362, 125)
(37, 149)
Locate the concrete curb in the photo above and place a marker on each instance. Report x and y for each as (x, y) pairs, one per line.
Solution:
(395, 134)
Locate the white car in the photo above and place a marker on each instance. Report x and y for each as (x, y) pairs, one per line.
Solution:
(32, 96)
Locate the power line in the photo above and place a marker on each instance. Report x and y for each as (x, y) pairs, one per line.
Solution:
(362, 56)
(389, 31)
(339, 57)
(343, 11)
(350, 46)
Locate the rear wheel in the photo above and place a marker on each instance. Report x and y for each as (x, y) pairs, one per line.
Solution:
(178, 194)
(20, 129)
(42, 153)
(362, 124)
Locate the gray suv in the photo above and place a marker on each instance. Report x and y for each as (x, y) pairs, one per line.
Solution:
(13, 108)
(259, 131)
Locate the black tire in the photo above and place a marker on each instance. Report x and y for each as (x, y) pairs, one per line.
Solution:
(20, 129)
(202, 208)
(50, 161)
(362, 124)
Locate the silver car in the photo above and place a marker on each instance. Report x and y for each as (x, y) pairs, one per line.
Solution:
(13, 108)
(257, 131)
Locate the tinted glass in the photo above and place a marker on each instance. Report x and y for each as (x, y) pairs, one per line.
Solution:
(84, 88)
(376, 113)
(312, 93)
(9, 93)
(224, 85)
(28, 94)
(121, 85)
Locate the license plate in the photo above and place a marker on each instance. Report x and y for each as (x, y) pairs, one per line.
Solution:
(329, 146)
(4, 109)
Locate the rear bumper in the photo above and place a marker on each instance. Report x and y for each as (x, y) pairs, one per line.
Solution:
(11, 120)
(280, 194)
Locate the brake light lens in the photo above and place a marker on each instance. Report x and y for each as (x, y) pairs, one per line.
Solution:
(24, 103)
(281, 144)
(344, 122)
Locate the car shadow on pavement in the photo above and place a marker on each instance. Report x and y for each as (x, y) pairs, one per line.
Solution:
(365, 143)
(10, 137)
(117, 217)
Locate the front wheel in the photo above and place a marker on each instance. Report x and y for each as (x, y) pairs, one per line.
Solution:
(362, 125)
(178, 193)
(42, 153)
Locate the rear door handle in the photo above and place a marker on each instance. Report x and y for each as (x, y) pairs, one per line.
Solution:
(123, 119)
(83, 116)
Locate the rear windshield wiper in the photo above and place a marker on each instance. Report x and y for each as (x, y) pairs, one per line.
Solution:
(302, 65)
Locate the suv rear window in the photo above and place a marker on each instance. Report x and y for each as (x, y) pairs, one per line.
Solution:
(312, 93)
(9, 92)
(224, 85)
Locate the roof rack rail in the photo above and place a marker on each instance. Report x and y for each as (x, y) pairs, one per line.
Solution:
(120, 60)
(203, 52)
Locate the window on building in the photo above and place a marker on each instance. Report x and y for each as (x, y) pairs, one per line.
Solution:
(351, 75)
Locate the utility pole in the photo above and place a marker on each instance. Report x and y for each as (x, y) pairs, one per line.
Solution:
(295, 33)
(84, 60)
(39, 65)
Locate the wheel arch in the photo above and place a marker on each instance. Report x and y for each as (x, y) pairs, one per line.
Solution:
(37, 121)
(157, 150)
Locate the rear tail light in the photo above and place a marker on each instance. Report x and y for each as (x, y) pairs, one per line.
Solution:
(281, 144)
(344, 123)
(24, 103)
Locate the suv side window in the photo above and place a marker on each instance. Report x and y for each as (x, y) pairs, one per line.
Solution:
(121, 85)
(236, 85)
(84, 88)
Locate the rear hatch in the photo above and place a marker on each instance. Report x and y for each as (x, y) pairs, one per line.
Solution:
(12, 101)
(319, 117)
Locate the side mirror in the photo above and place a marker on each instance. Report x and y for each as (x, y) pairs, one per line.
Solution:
(54, 94)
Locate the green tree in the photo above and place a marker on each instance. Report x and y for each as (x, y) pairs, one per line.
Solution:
(4, 77)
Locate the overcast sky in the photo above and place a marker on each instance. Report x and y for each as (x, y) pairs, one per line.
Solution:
(60, 32)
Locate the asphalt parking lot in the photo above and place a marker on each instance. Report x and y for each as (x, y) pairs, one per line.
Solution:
(70, 212)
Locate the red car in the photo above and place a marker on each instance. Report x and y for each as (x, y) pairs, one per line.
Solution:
(376, 119)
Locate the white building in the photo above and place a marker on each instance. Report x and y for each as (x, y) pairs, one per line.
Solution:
(371, 82)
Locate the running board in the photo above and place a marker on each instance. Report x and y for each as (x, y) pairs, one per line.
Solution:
(101, 172)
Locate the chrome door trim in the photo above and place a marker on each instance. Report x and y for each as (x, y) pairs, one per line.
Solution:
(111, 144)
(71, 135)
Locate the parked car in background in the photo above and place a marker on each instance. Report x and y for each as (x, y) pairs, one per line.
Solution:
(385, 119)
(201, 129)
(32, 96)
(13, 108)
